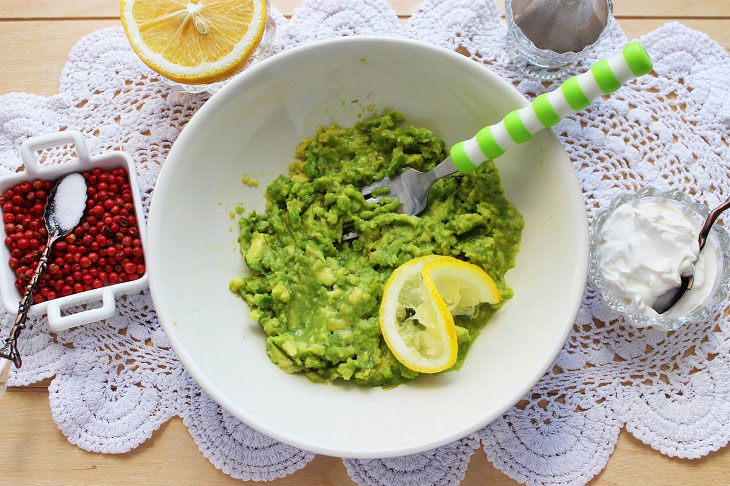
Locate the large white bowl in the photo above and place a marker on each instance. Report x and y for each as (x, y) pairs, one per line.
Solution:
(253, 126)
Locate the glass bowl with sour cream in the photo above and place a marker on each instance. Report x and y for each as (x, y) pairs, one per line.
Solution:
(642, 245)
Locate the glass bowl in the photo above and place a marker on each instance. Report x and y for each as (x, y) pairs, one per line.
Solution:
(262, 52)
(544, 63)
(718, 239)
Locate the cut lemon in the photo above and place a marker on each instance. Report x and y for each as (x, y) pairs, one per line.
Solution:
(414, 319)
(463, 286)
(194, 41)
(419, 301)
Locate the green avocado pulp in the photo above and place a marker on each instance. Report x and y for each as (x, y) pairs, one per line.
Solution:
(318, 299)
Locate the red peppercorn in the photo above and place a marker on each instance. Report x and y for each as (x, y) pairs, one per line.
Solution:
(101, 250)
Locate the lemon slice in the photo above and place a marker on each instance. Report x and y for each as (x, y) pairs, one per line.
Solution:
(194, 41)
(463, 286)
(419, 302)
(414, 319)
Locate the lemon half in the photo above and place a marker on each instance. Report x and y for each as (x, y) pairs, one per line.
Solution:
(419, 301)
(194, 41)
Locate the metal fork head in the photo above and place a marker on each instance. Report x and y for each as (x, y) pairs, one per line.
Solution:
(410, 188)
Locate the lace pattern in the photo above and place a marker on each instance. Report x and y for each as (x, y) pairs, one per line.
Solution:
(117, 382)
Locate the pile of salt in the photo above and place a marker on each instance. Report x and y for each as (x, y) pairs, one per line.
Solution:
(69, 202)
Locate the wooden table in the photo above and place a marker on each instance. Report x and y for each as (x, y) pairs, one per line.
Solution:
(34, 451)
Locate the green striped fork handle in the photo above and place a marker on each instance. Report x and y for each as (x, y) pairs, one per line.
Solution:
(548, 109)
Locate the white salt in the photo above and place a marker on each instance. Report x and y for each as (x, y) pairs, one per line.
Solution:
(69, 202)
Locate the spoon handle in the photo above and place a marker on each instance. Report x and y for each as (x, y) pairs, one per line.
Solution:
(10, 348)
(546, 110)
(714, 214)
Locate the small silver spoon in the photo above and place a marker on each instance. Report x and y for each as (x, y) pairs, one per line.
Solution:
(57, 225)
(670, 298)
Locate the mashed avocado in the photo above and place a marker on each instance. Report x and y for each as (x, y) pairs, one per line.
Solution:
(316, 298)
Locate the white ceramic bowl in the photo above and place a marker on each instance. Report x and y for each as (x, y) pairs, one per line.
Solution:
(253, 125)
(59, 317)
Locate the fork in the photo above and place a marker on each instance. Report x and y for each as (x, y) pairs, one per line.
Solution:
(411, 186)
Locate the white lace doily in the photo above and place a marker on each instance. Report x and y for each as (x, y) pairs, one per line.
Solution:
(117, 382)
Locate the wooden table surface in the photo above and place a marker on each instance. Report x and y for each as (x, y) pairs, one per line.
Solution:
(35, 38)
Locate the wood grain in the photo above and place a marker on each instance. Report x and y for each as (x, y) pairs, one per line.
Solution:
(36, 452)
(55, 9)
(39, 73)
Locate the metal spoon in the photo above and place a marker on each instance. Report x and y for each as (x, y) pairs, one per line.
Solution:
(57, 227)
(670, 298)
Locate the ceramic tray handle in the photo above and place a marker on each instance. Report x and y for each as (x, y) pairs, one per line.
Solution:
(573, 95)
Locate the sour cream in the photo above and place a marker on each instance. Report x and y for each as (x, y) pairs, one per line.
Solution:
(643, 249)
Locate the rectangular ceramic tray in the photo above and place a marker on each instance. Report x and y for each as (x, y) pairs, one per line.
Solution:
(34, 170)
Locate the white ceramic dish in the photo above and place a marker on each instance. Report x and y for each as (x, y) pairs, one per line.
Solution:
(253, 125)
(111, 160)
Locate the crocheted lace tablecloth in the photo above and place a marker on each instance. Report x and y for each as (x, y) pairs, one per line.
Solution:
(116, 382)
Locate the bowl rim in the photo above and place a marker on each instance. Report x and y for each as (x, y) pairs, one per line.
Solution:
(155, 273)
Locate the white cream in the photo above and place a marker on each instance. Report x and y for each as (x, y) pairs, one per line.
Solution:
(643, 250)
